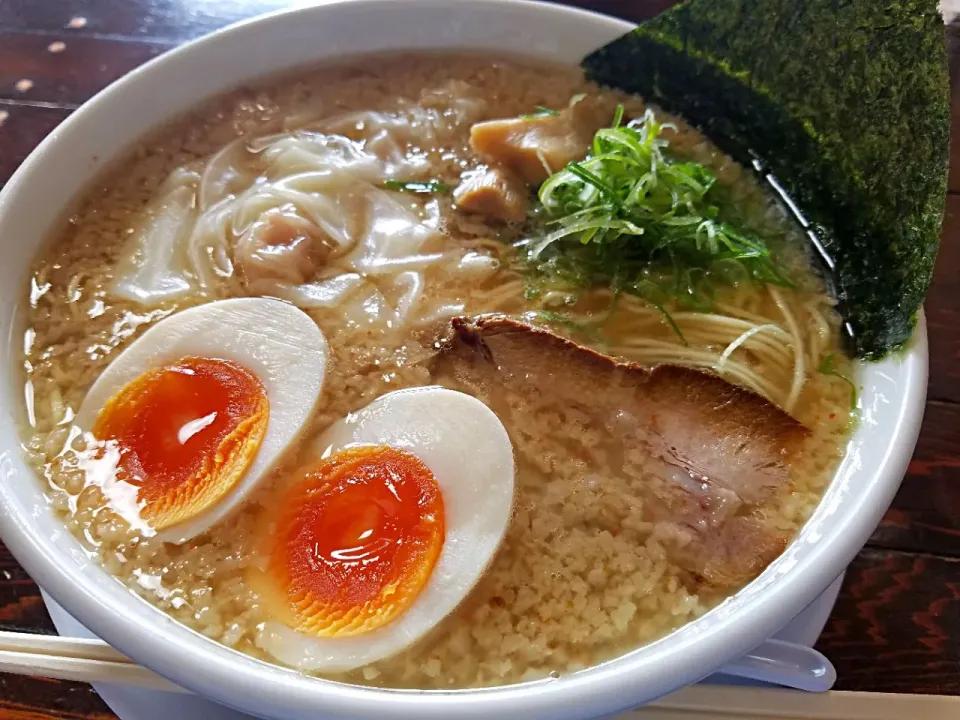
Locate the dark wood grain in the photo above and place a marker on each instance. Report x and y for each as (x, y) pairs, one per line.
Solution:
(943, 309)
(925, 516)
(175, 20)
(897, 622)
(22, 127)
(63, 69)
(27, 698)
(21, 607)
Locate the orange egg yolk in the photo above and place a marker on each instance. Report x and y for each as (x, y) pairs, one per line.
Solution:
(186, 433)
(357, 538)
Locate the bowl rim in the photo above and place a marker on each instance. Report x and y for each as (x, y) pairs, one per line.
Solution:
(250, 685)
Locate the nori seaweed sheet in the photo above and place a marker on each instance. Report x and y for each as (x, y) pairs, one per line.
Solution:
(844, 102)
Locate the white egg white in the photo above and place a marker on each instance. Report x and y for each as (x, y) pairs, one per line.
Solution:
(275, 341)
(469, 453)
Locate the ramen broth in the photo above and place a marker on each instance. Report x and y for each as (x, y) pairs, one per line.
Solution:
(583, 573)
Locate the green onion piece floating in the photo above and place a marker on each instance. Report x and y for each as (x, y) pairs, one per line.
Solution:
(541, 112)
(633, 217)
(828, 366)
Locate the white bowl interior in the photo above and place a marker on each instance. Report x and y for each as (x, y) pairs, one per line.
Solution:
(101, 131)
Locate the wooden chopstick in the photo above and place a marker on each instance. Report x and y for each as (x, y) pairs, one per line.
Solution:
(82, 659)
(84, 670)
(93, 661)
(84, 648)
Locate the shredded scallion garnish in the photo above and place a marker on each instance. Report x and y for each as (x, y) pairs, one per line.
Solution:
(635, 218)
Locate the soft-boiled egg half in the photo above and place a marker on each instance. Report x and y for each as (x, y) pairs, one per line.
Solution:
(369, 547)
(202, 406)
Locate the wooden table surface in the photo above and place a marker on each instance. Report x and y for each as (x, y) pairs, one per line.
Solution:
(896, 625)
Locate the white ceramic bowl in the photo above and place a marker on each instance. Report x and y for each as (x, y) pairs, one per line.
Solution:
(877, 457)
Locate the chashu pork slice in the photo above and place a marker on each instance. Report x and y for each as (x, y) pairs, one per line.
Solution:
(714, 457)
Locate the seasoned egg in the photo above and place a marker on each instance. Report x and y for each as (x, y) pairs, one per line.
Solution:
(199, 409)
(371, 546)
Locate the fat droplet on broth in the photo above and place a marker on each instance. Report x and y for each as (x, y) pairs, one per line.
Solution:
(37, 291)
(153, 583)
(29, 398)
(98, 462)
(592, 481)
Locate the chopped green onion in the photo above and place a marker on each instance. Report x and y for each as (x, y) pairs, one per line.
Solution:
(618, 116)
(541, 112)
(633, 216)
(828, 366)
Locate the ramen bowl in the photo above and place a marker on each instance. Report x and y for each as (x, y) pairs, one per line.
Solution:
(875, 459)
